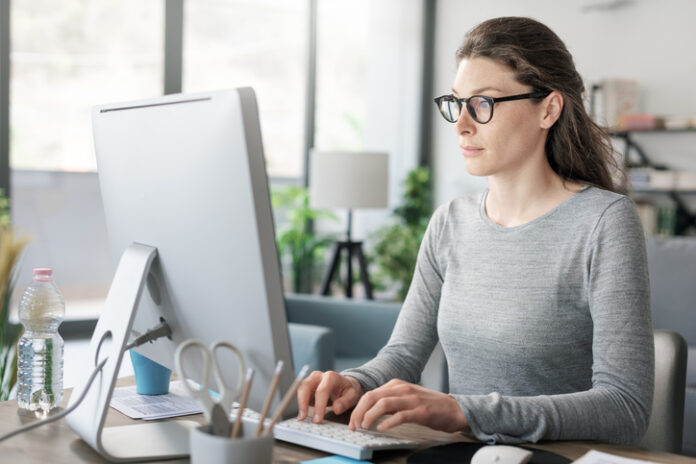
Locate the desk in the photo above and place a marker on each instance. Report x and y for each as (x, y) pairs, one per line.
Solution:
(56, 443)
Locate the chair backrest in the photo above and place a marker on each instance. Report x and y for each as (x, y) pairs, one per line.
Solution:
(667, 419)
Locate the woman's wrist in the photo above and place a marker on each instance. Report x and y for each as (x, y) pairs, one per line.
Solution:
(356, 384)
(462, 423)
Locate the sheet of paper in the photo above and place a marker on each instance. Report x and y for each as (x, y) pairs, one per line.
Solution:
(149, 407)
(598, 457)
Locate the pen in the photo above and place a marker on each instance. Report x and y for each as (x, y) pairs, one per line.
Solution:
(287, 399)
(243, 402)
(269, 397)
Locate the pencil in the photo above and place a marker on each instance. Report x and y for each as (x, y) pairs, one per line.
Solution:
(243, 402)
(287, 399)
(269, 397)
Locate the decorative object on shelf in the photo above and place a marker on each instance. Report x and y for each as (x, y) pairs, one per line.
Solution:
(11, 247)
(297, 238)
(612, 98)
(351, 180)
(397, 244)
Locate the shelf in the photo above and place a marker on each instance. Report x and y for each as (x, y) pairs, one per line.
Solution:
(622, 133)
(665, 191)
(685, 218)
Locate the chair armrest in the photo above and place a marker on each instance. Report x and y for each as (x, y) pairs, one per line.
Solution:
(361, 327)
(313, 345)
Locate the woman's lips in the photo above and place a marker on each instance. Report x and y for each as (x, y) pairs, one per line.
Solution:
(469, 151)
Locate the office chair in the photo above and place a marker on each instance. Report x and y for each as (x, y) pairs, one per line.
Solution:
(667, 419)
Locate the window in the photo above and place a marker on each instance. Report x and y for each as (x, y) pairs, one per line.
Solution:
(66, 58)
(342, 61)
(262, 44)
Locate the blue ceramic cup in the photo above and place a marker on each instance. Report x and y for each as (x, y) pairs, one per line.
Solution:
(150, 378)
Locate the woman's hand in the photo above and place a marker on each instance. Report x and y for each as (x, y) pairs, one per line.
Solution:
(320, 387)
(408, 403)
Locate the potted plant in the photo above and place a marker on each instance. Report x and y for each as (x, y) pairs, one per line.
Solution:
(11, 248)
(297, 239)
(396, 245)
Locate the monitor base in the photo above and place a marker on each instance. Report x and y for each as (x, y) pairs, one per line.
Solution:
(141, 442)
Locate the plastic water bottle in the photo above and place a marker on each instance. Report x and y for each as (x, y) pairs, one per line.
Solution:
(40, 349)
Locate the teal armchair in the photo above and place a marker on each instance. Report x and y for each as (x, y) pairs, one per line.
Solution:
(336, 334)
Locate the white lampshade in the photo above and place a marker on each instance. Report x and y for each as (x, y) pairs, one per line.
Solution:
(352, 180)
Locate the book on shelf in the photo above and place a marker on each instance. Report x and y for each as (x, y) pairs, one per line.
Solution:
(660, 179)
(657, 220)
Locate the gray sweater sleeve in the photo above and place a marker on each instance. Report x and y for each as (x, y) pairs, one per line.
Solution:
(615, 408)
(415, 333)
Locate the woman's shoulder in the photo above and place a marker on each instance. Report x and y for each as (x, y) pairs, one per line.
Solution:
(606, 210)
(597, 201)
(459, 208)
(456, 211)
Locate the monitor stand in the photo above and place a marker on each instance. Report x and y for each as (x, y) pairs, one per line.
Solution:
(142, 442)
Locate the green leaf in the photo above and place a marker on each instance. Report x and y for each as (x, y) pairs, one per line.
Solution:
(296, 239)
(396, 245)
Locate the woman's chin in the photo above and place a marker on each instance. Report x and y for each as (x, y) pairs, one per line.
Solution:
(476, 169)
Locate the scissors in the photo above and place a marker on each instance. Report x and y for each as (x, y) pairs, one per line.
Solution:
(216, 411)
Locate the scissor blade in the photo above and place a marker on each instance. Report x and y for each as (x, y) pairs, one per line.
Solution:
(221, 425)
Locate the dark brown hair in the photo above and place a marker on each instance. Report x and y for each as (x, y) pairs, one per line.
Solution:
(577, 149)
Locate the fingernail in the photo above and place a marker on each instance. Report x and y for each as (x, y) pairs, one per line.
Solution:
(364, 424)
(317, 418)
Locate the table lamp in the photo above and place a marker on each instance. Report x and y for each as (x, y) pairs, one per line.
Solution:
(351, 180)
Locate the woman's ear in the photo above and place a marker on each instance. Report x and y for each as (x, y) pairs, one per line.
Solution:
(551, 109)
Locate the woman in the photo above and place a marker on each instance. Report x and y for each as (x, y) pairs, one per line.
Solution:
(537, 288)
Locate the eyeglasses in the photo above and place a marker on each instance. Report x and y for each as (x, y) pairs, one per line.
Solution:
(479, 107)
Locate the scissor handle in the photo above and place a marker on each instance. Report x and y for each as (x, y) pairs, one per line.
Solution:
(201, 394)
(228, 395)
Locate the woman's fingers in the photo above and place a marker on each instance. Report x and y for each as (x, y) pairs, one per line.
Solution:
(305, 393)
(408, 403)
(369, 399)
(320, 388)
(347, 400)
(325, 390)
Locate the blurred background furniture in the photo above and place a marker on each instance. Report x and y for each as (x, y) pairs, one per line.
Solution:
(672, 267)
(359, 328)
(350, 180)
(667, 418)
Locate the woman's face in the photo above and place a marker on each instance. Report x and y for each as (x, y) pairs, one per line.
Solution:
(514, 138)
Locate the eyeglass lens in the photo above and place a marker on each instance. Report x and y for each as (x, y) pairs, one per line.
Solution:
(478, 107)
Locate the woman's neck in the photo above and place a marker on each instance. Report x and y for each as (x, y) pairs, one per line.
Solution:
(516, 199)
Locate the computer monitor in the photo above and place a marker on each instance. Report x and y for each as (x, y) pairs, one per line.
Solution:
(185, 175)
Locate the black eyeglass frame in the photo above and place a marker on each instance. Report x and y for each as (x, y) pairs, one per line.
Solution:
(464, 102)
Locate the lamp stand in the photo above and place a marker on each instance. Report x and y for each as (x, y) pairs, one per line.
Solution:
(353, 249)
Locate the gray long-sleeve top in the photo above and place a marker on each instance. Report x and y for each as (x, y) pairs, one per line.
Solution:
(545, 326)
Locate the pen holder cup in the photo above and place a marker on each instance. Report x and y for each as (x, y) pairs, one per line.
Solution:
(207, 448)
(150, 378)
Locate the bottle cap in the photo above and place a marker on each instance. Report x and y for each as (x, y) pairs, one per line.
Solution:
(43, 274)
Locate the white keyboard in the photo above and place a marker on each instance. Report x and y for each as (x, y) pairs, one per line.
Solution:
(330, 437)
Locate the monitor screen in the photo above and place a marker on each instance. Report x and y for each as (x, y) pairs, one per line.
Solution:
(186, 174)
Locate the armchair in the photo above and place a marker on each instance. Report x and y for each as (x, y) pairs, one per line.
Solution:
(346, 332)
(672, 267)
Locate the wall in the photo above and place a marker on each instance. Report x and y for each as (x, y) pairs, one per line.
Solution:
(649, 41)
(63, 213)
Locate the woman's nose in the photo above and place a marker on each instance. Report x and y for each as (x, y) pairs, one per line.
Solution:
(465, 124)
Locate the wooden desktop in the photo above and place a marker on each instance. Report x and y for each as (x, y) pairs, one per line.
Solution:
(56, 443)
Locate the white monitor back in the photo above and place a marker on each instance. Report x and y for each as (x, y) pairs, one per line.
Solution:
(186, 174)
